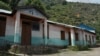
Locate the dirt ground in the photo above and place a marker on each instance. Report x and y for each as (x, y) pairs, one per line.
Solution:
(92, 52)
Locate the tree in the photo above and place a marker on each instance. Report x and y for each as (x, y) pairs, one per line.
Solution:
(4, 6)
(13, 3)
(9, 4)
(5, 1)
(37, 3)
(64, 2)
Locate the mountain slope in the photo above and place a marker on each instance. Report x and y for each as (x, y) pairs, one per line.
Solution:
(75, 14)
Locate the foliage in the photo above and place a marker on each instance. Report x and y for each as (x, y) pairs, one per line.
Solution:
(78, 48)
(74, 48)
(62, 11)
(13, 3)
(8, 4)
(37, 3)
(74, 13)
(4, 5)
(15, 49)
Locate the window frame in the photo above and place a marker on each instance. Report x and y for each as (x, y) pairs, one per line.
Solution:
(62, 35)
(37, 26)
(76, 37)
(3, 21)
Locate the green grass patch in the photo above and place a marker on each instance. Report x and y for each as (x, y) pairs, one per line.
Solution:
(78, 48)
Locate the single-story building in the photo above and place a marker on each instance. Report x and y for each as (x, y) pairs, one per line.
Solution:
(28, 25)
(60, 34)
(24, 26)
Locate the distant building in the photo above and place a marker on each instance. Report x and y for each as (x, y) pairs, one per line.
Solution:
(28, 25)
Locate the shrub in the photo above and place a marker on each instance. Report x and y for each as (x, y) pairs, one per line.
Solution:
(15, 49)
(78, 48)
(84, 48)
(74, 48)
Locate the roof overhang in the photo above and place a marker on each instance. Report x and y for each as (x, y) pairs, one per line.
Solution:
(70, 26)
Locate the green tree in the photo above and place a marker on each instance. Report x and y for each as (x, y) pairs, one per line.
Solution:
(9, 4)
(4, 6)
(37, 3)
(13, 3)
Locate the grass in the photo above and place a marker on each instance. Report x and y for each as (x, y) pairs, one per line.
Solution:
(78, 48)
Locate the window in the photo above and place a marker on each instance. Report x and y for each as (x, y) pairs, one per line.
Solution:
(89, 38)
(62, 35)
(48, 31)
(36, 26)
(76, 37)
(93, 38)
(86, 37)
(2, 26)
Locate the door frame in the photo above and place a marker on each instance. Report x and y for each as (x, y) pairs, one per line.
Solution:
(29, 40)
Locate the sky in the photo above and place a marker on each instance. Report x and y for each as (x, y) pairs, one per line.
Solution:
(85, 1)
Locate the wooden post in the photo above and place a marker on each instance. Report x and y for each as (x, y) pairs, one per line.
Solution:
(17, 28)
(81, 38)
(45, 31)
(84, 38)
(72, 37)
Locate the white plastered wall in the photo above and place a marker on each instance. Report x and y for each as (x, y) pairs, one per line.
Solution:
(55, 32)
(90, 37)
(38, 33)
(10, 26)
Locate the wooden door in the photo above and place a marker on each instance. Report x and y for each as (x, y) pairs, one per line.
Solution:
(26, 33)
(2, 26)
(90, 40)
(62, 35)
(69, 38)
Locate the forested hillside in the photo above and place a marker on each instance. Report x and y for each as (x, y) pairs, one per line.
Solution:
(75, 14)
(62, 11)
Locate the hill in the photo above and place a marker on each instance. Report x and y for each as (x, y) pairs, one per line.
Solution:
(74, 13)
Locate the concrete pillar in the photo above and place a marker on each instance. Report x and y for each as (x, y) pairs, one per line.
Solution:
(91, 40)
(81, 38)
(17, 28)
(72, 37)
(84, 38)
(95, 40)
(45, 31)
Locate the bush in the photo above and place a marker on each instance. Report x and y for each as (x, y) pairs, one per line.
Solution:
(15, 49)
(84, 48)
(74, 48)
(78, 48)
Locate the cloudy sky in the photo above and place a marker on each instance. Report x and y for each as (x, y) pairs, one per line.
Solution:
(86, 1)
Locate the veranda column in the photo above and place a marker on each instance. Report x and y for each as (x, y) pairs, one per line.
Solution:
(72, 37)
(17, 28)
(91, 40)
(84, 38)
(81, 39)
(95, 40)
(45, 31)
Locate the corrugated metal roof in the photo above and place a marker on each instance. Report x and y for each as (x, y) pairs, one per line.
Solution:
(88, 28)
